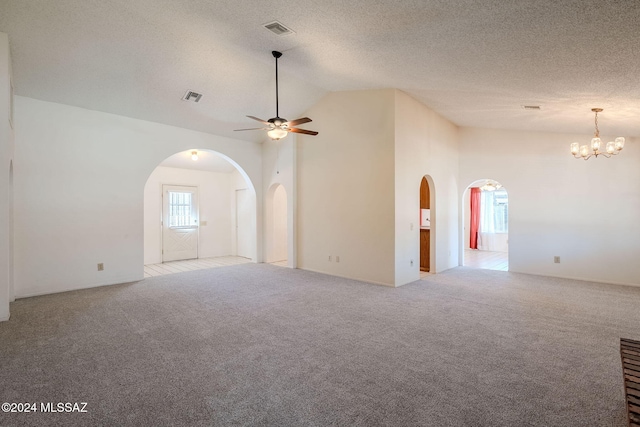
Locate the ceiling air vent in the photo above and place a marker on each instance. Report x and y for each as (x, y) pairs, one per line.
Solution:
(531, 107)
(192, 96)
(277, 28)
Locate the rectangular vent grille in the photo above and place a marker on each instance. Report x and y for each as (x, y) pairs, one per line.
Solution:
(192, 96)
(531, 107)
(278, 28)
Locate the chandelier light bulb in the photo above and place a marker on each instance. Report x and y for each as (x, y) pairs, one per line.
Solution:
(575, 148)
(619, 143)
(194, 155)
(584, 151)
(595, 144)
(611, 147)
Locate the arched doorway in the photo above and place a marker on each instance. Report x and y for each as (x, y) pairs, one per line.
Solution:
(199, 209)
(427, 226)
(277, 226)
(486, 225)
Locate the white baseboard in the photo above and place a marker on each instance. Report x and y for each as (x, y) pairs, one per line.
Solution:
(582, 279)
(350, 278)
(115, 281)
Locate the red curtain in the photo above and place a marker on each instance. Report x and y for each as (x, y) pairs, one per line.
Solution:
(475, 217)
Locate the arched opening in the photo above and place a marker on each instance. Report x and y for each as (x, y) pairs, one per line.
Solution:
(277, 226)
(427, 226)
(485, 225)
(199, 212)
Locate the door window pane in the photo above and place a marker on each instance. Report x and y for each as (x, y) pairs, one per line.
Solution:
(180, 209)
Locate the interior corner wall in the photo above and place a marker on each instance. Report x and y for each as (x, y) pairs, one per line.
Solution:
(6, 157)
(279, 167)
(425, 144)
(214, 210)
(346, 187)
(79, 184)
(585, 212)
(279, 224)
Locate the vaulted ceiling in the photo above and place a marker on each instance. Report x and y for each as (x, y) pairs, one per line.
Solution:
(476, 62)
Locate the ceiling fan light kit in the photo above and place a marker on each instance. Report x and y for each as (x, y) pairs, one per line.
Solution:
(277, 127)
(585, 151)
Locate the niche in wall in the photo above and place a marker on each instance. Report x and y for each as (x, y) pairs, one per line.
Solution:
(277, 224)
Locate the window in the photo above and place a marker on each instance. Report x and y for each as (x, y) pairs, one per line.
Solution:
(494, 211)
(180, 209)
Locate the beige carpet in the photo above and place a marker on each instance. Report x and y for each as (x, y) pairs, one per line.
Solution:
(267, 346)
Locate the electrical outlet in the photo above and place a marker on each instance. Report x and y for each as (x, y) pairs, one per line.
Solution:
(556, 259)
(100, 266)
(337, 258)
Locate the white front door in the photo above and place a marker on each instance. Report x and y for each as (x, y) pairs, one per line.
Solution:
(179, 222)
(243, 224)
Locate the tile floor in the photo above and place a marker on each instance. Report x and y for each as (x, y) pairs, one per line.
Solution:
(486, 259)
(192, 264)
(424, 274)
(472, 258)
(282, 263)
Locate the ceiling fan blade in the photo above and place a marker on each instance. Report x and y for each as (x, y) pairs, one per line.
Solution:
(236, 130)
(260, 120)
(304, 131)
(297, 122)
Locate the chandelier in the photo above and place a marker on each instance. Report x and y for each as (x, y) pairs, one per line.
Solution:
(491, 186)
(585, 151)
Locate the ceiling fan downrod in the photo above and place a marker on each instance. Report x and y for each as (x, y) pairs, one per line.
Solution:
(276, 55)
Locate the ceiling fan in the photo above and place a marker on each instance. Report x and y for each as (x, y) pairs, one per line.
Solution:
(277, 127)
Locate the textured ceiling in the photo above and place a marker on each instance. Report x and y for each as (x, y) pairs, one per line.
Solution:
(476, 62)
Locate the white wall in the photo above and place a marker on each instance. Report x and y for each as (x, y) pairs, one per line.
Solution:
(214, 198)
(465, 212)
(278, 228)
(586, 212)
(346, 187)
(425, 144)
(79, 192)
(238, 182)
(6, 157)
(279, 169)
